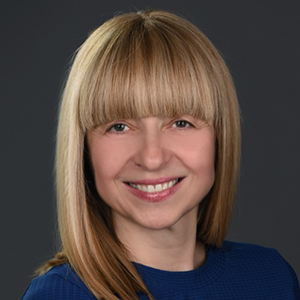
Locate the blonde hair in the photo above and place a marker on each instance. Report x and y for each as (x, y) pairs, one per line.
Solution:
(150, 63)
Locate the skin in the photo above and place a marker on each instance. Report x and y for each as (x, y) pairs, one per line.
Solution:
(153, 148)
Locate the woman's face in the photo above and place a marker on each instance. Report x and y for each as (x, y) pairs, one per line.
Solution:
(153, 172)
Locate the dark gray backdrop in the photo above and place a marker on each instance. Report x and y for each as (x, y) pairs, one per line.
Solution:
(260, 42)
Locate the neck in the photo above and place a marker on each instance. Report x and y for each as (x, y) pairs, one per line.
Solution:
(171, 249)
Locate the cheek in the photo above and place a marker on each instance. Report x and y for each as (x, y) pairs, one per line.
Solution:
(104, 174)
(104, 164)
(199, 157)
(108, 161)
(199, 154)
(203, 166)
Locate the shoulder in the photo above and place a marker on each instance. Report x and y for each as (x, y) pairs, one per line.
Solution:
(258, 264)
(251, 253)
(59, 283)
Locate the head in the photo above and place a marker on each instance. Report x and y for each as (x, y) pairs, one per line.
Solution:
(134, 66)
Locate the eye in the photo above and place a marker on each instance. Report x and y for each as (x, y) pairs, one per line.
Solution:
(119, 127)
(182, 124)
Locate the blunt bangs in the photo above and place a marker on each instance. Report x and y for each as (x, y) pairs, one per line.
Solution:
(147, 67)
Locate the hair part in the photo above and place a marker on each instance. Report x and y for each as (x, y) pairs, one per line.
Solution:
(150, 63)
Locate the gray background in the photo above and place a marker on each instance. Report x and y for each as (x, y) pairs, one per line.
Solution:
(260, 42)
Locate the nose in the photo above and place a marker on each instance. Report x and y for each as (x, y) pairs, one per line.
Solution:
(152, 154)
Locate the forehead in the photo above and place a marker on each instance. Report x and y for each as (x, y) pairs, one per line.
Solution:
(136, 94)
(142, 73)
(139, 108)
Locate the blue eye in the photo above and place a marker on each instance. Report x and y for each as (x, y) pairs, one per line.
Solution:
(119, 127)
(182, 124)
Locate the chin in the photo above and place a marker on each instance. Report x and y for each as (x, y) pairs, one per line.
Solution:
(158, 223)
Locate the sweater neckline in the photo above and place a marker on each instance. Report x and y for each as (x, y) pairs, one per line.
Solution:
(210, 271)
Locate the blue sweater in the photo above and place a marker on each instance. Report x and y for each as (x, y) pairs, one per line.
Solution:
(236, 271)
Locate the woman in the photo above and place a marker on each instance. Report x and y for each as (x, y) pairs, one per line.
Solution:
(148, 155)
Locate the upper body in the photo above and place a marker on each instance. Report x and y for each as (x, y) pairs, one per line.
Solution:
(147, 162)
(235, 271)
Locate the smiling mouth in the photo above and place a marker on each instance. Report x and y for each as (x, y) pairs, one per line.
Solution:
(155, 188)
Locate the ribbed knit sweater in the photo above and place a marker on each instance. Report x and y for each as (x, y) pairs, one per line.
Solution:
(235, 271)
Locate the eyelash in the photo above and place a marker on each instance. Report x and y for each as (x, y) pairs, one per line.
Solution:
(113, 127)
(186, 123)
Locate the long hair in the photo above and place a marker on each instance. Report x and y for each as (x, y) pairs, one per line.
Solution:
(149, 63)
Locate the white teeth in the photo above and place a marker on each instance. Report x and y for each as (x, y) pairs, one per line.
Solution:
(156, 188)
(150, 188)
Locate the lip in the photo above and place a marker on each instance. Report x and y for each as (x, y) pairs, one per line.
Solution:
(154, 181)
(156, 196)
